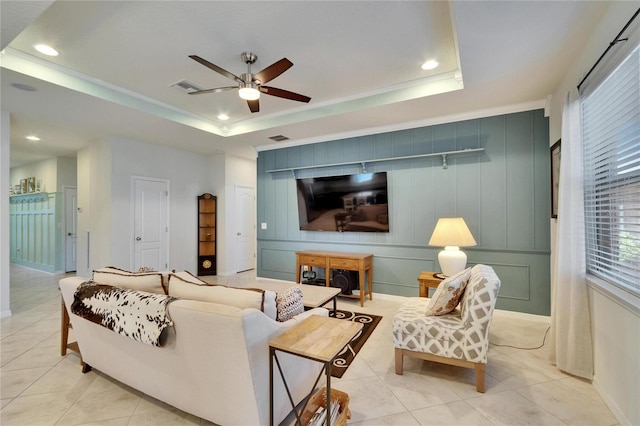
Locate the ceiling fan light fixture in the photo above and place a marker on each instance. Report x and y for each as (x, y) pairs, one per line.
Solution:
(249, 93)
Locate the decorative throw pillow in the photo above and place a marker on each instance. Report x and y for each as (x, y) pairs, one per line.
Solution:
(165, 276)
(150, 281)
(289, 303)
(185, 285)
(448, 294)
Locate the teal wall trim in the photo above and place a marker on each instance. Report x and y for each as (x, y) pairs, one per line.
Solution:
(503, 194)
(35, 237)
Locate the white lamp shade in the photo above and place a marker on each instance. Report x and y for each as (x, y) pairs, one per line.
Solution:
(452, 233)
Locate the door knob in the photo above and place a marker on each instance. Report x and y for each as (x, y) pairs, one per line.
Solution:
(138, 239)
(239, 233)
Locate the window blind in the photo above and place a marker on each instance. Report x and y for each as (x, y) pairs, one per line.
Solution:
(611, 137)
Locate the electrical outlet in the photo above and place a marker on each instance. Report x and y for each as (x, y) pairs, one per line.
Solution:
(263, 225)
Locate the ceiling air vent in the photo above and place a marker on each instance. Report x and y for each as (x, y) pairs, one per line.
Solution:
(185, 85)
(279, 138)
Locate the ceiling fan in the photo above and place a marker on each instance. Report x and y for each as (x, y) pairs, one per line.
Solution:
(251, 85)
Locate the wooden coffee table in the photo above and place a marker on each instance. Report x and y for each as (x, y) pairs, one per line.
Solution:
(313, 296)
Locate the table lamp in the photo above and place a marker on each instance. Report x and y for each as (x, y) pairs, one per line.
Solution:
(452, 233)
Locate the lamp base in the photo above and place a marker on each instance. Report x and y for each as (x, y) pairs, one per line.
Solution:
(452, 260)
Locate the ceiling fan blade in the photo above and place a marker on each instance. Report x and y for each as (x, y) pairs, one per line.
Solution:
(273, 91)
(254, 106)
(273, 70)
(216, 68)
(216, 90)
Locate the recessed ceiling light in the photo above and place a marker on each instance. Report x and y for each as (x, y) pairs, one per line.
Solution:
(223, 117)
(46, 50)
(33, 138)
(430, 64)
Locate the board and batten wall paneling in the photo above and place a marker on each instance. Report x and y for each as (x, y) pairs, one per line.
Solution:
(503, 194)
(34, 234)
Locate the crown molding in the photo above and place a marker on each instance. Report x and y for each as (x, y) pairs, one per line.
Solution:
(469, 115)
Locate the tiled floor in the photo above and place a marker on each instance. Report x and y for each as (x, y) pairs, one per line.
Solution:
(39, 387)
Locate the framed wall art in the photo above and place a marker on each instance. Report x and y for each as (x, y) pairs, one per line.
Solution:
(23, 186)
(31, 184)
(555, 178)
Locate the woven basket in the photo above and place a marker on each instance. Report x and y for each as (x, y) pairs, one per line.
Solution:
(319, 399)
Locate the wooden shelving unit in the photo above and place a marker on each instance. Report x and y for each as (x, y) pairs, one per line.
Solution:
(207, 205)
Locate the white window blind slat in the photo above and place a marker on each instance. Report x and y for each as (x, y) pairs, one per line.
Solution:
(611, 138)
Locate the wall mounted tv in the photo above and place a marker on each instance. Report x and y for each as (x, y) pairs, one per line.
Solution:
(348, 203)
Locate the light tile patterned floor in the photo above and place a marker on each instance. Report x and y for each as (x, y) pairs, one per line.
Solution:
(39, 387)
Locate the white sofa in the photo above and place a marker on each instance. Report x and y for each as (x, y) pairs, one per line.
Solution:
(214, 365)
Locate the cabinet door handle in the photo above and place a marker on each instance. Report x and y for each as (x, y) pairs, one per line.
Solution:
(138, 239)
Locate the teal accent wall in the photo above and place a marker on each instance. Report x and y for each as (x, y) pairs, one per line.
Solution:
(503, 194)
(35, 237)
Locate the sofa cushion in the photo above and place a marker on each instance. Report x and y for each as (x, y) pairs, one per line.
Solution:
(148, 281)
(188, 277)
(181, 285)
(448, 294)
(289, 303)
(438, 335)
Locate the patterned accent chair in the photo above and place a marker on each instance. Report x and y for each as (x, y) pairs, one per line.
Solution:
(460, 338)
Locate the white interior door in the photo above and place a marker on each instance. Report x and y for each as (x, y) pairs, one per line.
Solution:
(70, 228)
(245, 228)
(151, 225)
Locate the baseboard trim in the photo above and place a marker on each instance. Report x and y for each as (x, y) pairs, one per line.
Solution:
(611, 404)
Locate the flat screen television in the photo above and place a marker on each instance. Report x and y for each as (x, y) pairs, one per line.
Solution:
(347, 203)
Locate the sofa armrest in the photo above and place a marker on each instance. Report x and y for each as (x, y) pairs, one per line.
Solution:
(306, 314)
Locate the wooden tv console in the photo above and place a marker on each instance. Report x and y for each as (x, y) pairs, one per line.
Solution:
(361, 262)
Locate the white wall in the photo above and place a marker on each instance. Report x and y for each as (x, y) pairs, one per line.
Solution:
(47, 170)
(615, 325)
(238, 172)
(55, 172)
(94, 207)
(67, 173)
(187, 176)
(226, 172)
(5, 143)
(105, 170)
